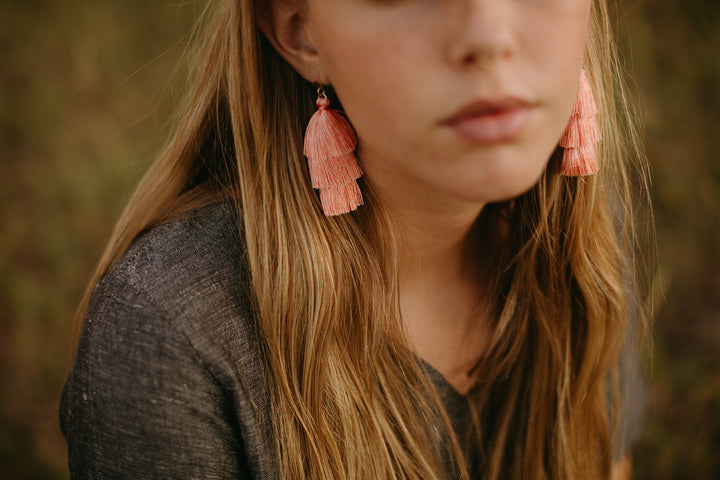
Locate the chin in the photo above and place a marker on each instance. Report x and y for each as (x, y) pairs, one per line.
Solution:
(503, 183)
(503, 193)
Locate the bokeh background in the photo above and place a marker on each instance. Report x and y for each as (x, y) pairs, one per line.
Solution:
(86, 91)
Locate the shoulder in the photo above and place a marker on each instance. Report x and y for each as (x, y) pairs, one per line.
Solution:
(169, 355)
(182, 278)
(632, 396)
(181, 282)
(176, 263)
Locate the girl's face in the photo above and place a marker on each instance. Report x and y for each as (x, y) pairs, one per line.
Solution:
(452, 99)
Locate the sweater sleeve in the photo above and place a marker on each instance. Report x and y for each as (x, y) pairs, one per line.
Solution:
(140, 403)
(632, 399)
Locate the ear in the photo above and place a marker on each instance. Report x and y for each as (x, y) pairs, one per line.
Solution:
(284, 24)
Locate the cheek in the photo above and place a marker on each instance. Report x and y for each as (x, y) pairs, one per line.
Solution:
(378, 65)
(384, 102)
(554, 36)
(353, 82)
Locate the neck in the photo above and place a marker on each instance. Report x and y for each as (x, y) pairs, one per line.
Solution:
(433, 230)
(440, 294)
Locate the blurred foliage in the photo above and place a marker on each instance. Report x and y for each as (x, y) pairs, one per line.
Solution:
(85, 100)
(84, 105)
(672, 48)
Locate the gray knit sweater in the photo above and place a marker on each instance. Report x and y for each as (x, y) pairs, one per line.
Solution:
(169, 381)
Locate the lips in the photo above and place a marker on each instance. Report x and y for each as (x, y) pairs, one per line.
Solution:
(491, 121)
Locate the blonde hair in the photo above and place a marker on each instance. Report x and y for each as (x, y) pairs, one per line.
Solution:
(347, 393)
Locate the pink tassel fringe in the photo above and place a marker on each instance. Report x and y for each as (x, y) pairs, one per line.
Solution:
(581, 134)
(341, 199)
(329, 145)
(579, 162)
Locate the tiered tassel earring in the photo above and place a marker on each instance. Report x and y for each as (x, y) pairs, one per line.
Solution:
(581, 134)
(329, 145)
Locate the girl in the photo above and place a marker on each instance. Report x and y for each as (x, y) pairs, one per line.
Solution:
(458, 311)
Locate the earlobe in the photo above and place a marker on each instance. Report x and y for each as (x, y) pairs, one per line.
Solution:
(284, 25)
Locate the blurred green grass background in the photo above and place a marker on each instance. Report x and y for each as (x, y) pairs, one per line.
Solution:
(86, 96)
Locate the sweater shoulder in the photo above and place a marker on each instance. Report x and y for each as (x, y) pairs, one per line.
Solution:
(188, 275)
(177, 302)
(175, 263)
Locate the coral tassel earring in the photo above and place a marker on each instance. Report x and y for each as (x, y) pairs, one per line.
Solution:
(581, 134)
(329, 145)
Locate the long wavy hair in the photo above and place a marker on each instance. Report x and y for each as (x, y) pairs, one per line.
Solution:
(349, 398)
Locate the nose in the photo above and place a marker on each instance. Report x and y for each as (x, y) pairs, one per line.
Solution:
(481, 33)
